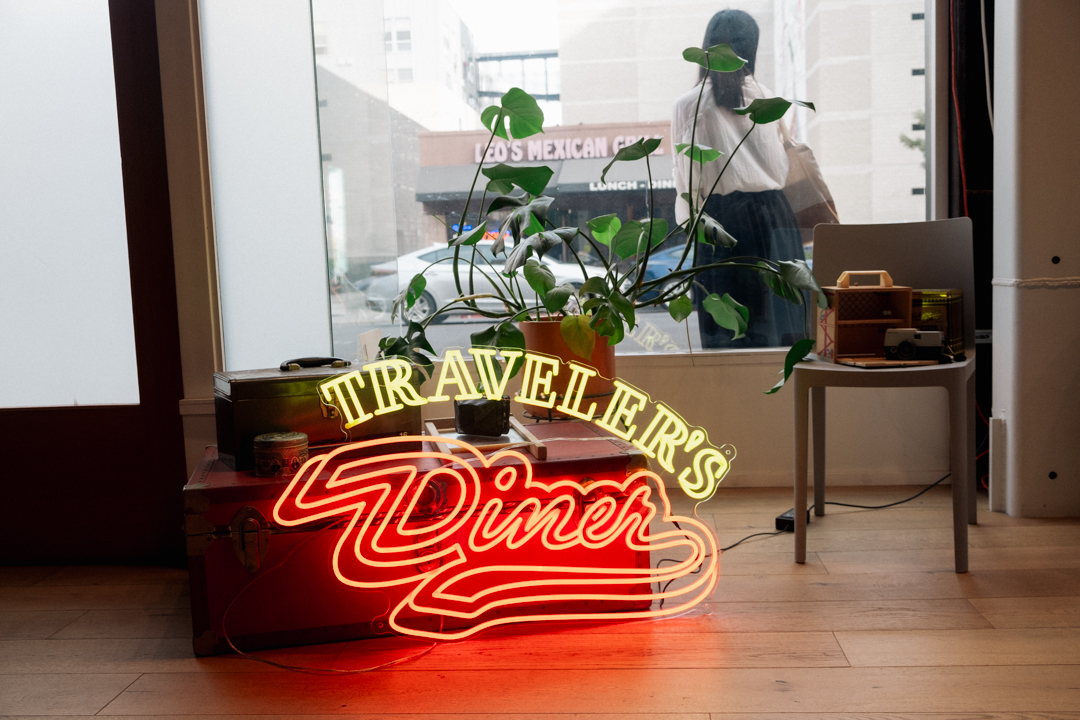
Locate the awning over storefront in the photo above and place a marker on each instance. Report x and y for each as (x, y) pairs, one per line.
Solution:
(452, 182)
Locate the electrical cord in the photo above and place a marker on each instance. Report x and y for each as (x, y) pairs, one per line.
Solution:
(882, 507)
(661, 590)
(302, 668)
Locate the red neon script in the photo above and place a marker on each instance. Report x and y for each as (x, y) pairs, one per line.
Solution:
(474, 541)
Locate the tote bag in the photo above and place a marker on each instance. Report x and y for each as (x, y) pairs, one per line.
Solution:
(805, 188)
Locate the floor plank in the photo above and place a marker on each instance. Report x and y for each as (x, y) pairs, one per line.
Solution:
(161, 623)
(24, 576)
(979, 558)
(114, 575)
(53, 694)
(1038, 646)
(173, 596)
(788, 617)
(1030, 612)
(553, 649)
(35, 623)
(734, 563)
(803, 690)
(899, 586)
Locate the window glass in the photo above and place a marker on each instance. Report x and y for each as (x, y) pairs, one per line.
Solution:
(65, 282)
(605, 74)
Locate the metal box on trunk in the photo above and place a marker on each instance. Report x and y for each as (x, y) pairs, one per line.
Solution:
(253, 402)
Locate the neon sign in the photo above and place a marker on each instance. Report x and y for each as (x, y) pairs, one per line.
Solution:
(653, 427)
(483, 542)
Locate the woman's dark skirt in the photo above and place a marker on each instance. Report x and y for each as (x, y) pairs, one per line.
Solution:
(764, 226)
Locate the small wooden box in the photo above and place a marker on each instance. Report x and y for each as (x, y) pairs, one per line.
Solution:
(852, 328)
(941, 310)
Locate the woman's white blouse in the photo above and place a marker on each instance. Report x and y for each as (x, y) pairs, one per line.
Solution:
(760, 164)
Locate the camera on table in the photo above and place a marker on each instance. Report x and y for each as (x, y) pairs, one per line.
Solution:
(912, 344)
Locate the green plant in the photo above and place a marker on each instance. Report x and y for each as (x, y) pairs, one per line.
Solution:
(605, 304)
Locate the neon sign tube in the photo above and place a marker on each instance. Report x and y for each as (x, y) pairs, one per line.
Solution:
(503, 543)
(678, 447)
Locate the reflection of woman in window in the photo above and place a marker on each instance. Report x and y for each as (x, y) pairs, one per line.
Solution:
(749, 200)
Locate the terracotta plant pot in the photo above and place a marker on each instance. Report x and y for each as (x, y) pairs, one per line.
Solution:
(544, 336)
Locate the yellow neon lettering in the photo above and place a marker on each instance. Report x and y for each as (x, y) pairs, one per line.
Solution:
(575, 391)
(484, 359)
(543, 550)
(390, 402)
(620, 410)
(710, 467)
(454, 372)
(670, 431)
(341, 386)
(535, 378)
(400, 385)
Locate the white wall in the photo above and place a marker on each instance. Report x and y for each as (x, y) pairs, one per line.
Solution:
(1037, 301)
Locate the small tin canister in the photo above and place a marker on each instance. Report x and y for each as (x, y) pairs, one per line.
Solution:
(280, 454)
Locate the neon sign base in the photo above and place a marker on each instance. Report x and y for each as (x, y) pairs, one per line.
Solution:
(294, 598)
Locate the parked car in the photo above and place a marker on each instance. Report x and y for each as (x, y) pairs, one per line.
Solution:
(661, 263)
(391, 277)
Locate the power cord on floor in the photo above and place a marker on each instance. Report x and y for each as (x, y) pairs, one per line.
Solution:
(882, 507)
(781, 532)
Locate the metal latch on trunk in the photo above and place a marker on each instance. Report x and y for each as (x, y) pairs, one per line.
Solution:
(250, 537)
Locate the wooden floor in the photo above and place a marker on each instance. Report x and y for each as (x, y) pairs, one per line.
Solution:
(875, 625)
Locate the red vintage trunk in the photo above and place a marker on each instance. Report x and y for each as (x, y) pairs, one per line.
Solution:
(261, 584)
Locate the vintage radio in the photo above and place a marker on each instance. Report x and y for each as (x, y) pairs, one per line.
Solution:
(941, 311)
(249, 403)
(852, 328)
(260, 582)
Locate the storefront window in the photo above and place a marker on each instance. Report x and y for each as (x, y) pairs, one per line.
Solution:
(401, 92)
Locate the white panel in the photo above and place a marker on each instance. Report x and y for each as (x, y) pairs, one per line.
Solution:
(65, 286)
(258, 63)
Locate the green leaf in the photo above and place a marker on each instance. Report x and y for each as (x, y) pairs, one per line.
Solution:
(720, 58)
(795, 355)
(535, 226)
(538, 243)
(579, 336)
(539, 277)
(630, 240)
(626, 240)
(532, 180)
(680, 308)
(520, 218)
(411, 348)
(595, 285)
(767, 110)
(415, 290)
(624, 307)
(611, 326)
(475, 235)
(408, 297)
(779, 285)
(508, 201)
(656, 230)
(519, 109)
(798, 273)
(555, 300)
(727, 313)
(603, 228)
(636, 151)
(504, 336)
(713, 233)
(699, 154)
